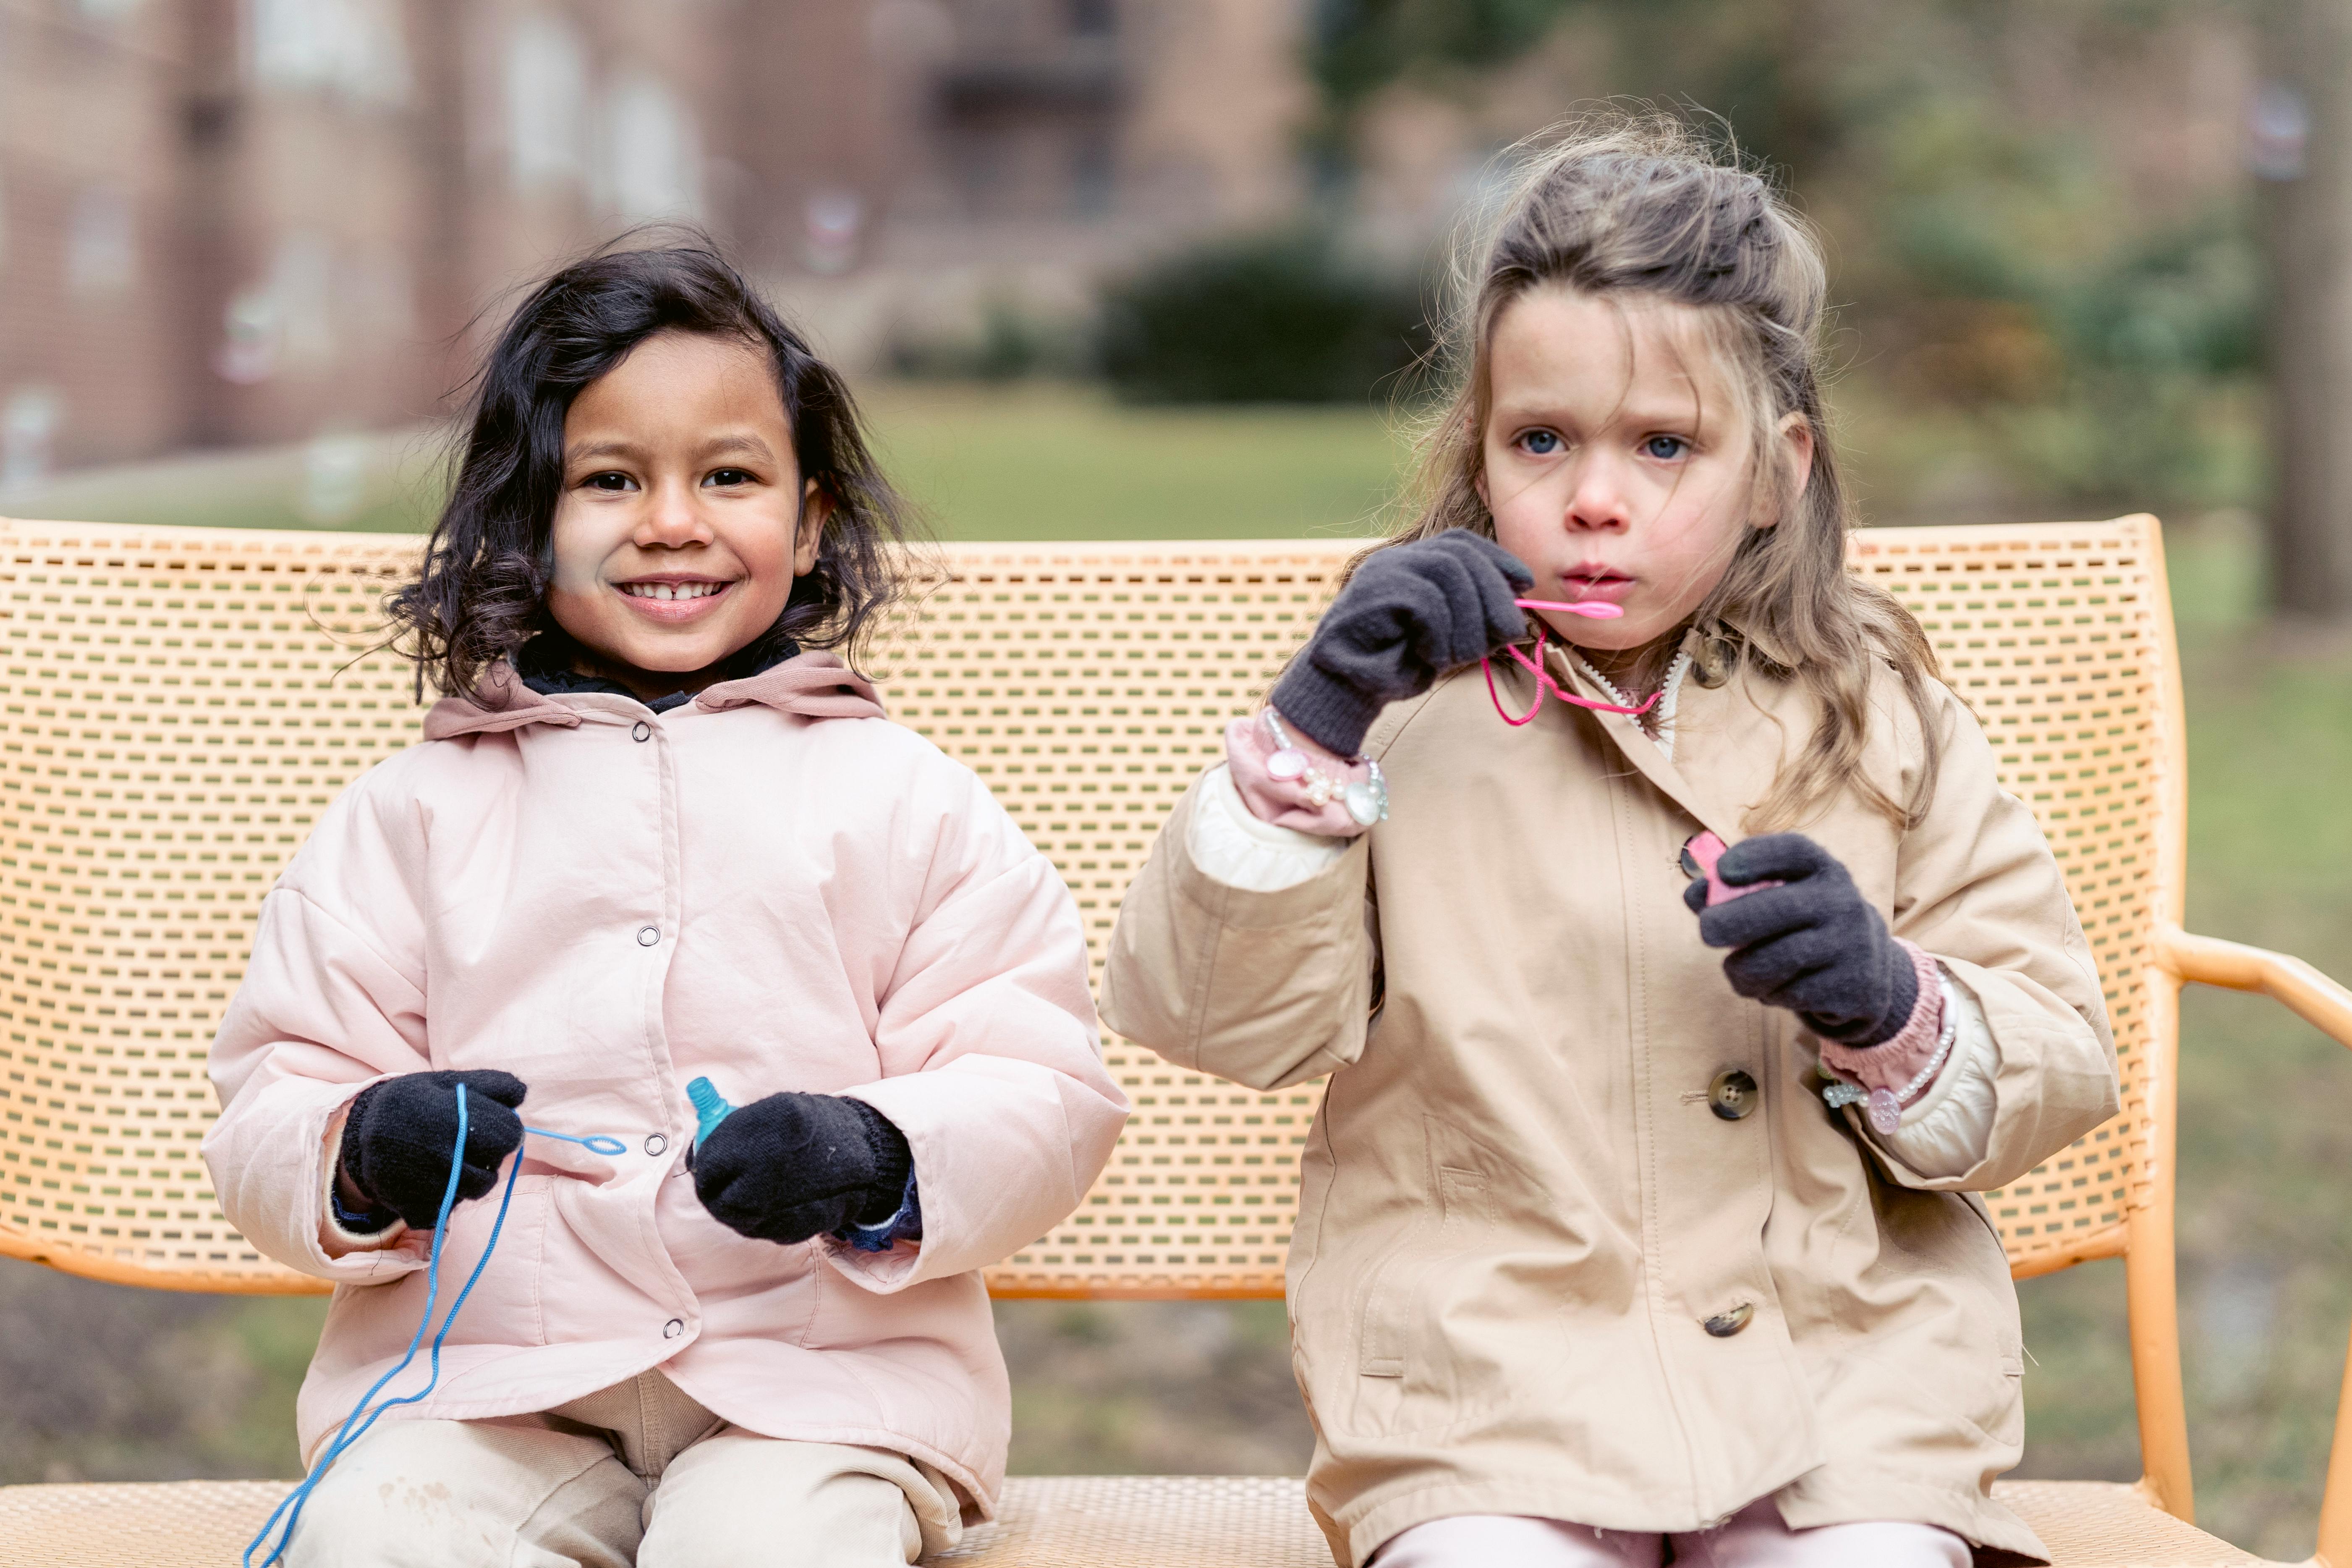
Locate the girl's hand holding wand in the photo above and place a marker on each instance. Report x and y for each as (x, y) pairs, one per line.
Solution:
(793, 1166)
(1802, 937)
(393, 1160)
(1409, 614)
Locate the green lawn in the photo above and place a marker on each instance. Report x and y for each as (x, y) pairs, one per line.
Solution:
(2266, 1238)
(1019, 462)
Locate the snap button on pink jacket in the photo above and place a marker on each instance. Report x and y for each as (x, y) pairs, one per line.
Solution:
(833, 906)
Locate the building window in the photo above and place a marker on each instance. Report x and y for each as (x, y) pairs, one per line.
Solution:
(28, 429)
(101, 244)
(353, 49)
(547, 105)
(654, 153)
(1093, 174)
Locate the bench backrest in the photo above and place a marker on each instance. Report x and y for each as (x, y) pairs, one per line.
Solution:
(180, 704)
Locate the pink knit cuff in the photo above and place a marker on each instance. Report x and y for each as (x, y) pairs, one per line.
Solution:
(1891, 1064)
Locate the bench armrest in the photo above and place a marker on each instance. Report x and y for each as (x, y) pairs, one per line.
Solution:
(2210, 960)
(2327, 1007)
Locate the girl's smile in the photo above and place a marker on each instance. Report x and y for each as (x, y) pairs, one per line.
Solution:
(673, 600)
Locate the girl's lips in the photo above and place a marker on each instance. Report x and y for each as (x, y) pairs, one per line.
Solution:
(703, 598)
(1611, 590)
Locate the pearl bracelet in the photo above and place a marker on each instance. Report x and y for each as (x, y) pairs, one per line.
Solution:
(1367, 800)
(1883, 1107)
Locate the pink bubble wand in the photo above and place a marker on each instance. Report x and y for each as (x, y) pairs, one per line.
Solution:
(1596, 609)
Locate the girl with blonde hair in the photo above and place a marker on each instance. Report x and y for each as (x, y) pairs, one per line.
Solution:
(1640, 1222)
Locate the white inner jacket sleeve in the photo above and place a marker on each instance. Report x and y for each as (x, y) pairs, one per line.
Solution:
(1231, 846)
(1949, 1131)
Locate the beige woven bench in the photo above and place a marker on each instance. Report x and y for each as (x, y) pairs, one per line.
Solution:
(181, 703)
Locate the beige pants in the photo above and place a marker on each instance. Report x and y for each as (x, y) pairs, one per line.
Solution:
(638, 1474)
(1754, 1538)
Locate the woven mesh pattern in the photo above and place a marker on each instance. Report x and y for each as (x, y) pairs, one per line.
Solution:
(1076, 1521)
(1089, 685)
(186, 1524)
(1167, 1521)
(2060, 639)
(2102, 1524)
(174, 723)
(180, 704)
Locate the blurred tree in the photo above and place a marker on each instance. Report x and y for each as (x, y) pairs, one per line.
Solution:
(2011, 274)
(2301, 141)
(1361, 45)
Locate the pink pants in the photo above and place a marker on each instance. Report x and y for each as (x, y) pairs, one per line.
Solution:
(1754, 1538)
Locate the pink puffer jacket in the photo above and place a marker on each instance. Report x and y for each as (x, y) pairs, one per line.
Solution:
(773, 886)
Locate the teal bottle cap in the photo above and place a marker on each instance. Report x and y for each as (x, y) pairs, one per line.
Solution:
(710, 1108)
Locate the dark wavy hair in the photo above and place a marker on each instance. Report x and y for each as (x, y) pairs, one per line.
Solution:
(481, 593)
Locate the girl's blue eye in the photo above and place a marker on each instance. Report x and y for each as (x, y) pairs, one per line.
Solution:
(1664, 449)
(1540, 443)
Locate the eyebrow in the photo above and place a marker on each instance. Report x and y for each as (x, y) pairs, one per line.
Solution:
(724, 446)
(1659, 415)
(603, 449)
(740, 443)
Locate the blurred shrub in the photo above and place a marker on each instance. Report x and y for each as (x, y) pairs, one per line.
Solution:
(2105, 361)
(1271, 319)
(1006, 342)
(1356, 46)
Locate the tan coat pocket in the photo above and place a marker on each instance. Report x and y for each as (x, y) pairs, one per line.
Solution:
(1455, 1320)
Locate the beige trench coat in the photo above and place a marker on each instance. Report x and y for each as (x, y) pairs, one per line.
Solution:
(1518, 1206)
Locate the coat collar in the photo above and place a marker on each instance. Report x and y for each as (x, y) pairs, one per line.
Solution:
(1642, 752)
(813, 685)
(1696, 793)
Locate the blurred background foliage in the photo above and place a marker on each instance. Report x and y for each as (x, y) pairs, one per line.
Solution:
(2003, 280)
(2053, 301)
(1277, 318)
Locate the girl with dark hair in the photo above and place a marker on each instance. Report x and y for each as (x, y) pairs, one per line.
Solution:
(1640, 1222)
(663, 871)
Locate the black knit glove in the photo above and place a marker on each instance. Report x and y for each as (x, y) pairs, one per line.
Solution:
(1409, 614)
(1813, 946)
(401, 1132)
(793, 1166)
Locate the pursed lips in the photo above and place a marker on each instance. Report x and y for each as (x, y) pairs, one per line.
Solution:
(1588, 582)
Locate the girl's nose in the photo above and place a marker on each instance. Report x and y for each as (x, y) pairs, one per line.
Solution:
(1596, 499)
(672, 518)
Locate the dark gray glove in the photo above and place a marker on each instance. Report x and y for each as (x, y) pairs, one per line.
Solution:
(400, 1134)
(791, 1166)
(1410, 614)
(1813, 945)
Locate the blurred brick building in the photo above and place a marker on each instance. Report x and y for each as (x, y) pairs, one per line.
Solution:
(235, 221)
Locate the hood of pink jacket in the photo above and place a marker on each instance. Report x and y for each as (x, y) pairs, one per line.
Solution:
(813, 685)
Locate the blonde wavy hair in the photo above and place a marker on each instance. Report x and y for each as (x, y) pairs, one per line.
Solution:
(1642, 205)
